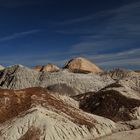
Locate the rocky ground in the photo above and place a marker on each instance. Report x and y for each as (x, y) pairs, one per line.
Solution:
(85, 104)
(127, 135)
(19, 77)
(35, 113)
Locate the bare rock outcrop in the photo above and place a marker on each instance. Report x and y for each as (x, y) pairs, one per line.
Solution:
(125, 77)
(63, 89)
(36, 114)
(19, 77)
(119, 73)
(49, 68)
(82, 65)
(116, 102)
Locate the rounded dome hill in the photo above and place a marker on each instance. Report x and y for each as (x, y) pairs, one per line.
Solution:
(82, 65)
(49, 67)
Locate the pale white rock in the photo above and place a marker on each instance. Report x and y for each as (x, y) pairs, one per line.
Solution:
(17, 77)
(1, 67)
(53, 126)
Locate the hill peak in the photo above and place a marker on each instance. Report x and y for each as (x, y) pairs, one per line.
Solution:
(82, 65)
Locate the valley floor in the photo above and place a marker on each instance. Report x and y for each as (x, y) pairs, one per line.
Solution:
(126, 135)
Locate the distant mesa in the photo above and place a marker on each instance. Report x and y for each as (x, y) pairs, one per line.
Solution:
(82, 65)
(138, 71)
(49, 68)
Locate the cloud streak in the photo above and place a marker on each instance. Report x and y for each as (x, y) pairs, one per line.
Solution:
(18, 35)
(122, 22)
(109, 38)
(126, 59)
(120, 32)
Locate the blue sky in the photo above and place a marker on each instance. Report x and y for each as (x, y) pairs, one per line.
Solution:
(36, 32)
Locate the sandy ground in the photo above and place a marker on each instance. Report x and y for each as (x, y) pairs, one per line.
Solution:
(126, 135)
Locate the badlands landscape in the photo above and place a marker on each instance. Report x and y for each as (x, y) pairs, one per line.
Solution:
(77, 102)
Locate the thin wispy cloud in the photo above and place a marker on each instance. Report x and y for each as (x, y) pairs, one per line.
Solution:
(126, 59)
(102, 14)
(87, 18)
(30, 60)
(121, 32)
(133, 53)
(120, 22)
(18, 35)
(109, 37)
(129, 58)
(125, 63)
